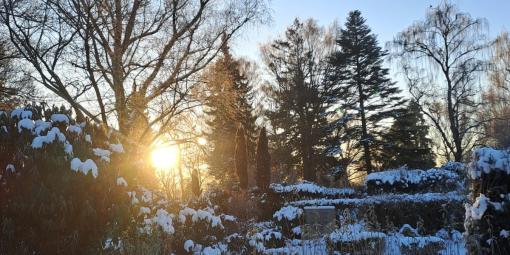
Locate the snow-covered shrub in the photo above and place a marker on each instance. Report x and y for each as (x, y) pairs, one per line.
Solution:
(487, 214)
(355, 239)
(405, 180)
(288, 218)
(306, 189)
(51, 204)
(400, 209)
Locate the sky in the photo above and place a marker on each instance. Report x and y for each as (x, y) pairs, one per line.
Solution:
(385, 17)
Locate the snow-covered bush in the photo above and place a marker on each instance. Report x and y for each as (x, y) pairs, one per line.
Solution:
(76, 203)
(309, 189)
(405, 180)
(487, 214)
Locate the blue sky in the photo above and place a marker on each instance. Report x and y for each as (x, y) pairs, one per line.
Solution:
(385, 17)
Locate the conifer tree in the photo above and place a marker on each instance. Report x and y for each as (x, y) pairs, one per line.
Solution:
(406, 142)
(228, 105)
(365, 91)
(263, 161)
(300, 96)
(241, 158)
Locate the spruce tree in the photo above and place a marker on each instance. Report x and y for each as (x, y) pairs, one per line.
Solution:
(228, 105)
(365, 91)
(241, 158)
(263, 161)
(406, 143)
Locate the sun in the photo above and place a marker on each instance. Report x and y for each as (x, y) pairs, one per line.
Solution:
(165, 158)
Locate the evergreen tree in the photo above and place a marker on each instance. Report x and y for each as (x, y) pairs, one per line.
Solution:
(406, 143)
(241, 158)
(300, 96)
(228, 105)
(263, 161)
(366, 93)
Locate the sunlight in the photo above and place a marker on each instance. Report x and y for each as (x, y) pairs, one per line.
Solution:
(165, 158)
(202, 141)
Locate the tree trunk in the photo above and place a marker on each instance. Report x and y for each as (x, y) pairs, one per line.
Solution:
(364, 132)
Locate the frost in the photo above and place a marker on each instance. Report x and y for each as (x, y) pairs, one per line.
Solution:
(118, 148)
(59, 118)
(103, 154)
(84, 167)
(27, 124)
(288, 212)
(121, 182)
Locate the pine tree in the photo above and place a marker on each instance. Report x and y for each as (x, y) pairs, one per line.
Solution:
(228, 106)
(365, 91)
(263, 161)
(300, 96)
(241, 158)
(406, 143)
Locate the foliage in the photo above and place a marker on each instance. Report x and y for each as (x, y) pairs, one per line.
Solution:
(263, 161)
(407, 142)
(365, 91)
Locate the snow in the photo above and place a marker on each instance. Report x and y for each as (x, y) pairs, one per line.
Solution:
(103, 154)
(16, 113)
(26, 114)
(197, 215)
(288, 212)
(118, 148)
(121, 182)
(41, 126)
(145, 210)
(310, 187)
(384, 198)
(488, 159)
(404, 175)
(504, 233)
(49, 138)
(477, 210)
(84, 167)
(59, 118)
(164, 220)
(109, 244)
(10, 168)
(74, 129)
(188, 245)
(354, 232)
(27, 124)
(88, 138)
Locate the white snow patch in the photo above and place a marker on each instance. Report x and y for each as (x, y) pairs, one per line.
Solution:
(49, 138)
(188, 245)
(10, 168)
(57, 117)
(84, 167)
(309, 187)
(27, 124)
(288, 212)
(103, 154)
(74, 129)
(121, 182)
(118, 148)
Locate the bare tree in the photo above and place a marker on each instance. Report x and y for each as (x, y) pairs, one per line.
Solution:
(135, 58)
(441, 58)
(496, 95)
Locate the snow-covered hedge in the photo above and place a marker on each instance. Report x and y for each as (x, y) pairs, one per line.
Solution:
(406, 180)
(487, 215)
(306, 188)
